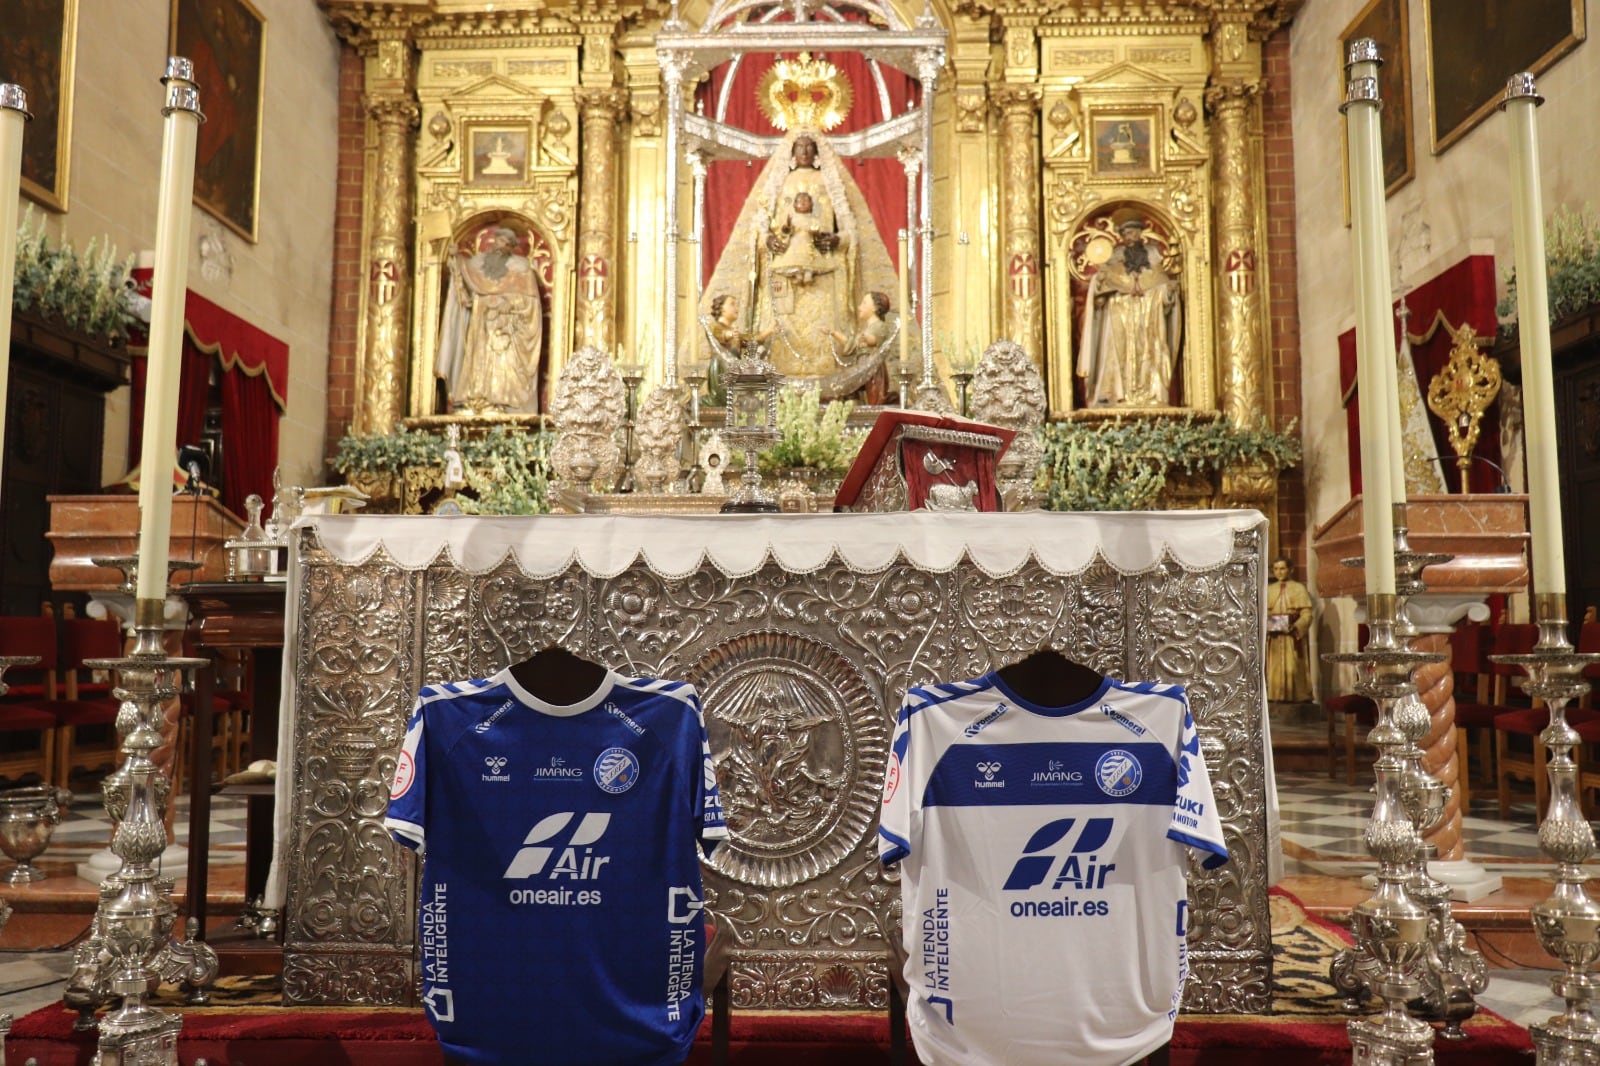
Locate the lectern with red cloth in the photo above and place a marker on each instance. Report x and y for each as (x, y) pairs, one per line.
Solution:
(913, 460)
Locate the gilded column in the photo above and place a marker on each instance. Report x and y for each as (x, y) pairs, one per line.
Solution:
(1241, 356)
(1020, 248)
(392, 108)
(601, 110)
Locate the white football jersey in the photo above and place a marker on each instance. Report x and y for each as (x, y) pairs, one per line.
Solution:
(1043, 869)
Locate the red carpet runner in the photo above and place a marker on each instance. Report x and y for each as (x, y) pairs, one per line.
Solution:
(1304, 1025)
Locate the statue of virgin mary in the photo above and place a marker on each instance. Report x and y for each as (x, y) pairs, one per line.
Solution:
(803, 253)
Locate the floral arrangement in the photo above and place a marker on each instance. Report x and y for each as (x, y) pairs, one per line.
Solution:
(1572, 254)
(1123, 466)
(811, 435)
(505, 468)
(83, 291)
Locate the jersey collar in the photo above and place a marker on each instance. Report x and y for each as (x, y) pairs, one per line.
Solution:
(560, 710)
(993, 678)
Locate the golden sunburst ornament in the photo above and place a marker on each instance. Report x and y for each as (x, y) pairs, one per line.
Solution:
(804, 92)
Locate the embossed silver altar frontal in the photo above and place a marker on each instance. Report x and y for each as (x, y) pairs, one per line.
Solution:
(801, 633)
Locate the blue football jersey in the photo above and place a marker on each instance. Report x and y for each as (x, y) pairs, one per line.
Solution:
(1043, 869)
(560, 916)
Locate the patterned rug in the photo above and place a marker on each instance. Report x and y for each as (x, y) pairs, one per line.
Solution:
(1304, 1024)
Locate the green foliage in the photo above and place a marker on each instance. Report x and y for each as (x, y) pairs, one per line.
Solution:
(83, 291)
(1572, 255)
(505, 468)
(1123, 466)
(810, 435)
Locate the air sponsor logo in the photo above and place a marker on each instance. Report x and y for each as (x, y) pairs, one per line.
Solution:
(558, 770)
(616, 770)
(562, 856)
(1063, 857)
(1056, 773)
(495, 765)
(989, 769)
(983, 723)
(1118, 773)
(488, 723)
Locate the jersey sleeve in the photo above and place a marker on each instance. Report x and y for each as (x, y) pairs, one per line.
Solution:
(406, 796)
(707, 799)
(894, 821)
(1194, 813)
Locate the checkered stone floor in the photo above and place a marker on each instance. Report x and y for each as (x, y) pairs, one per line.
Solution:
(33, 979)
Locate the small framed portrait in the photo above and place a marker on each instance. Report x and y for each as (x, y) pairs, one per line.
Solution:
(1386, 22)
(226, 41)
(497, 155)
(1125, 145)
(1475, 45)
(36, 52)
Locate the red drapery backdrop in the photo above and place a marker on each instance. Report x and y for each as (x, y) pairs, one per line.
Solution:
(254, 369)
(882, 181)
(1460, 295)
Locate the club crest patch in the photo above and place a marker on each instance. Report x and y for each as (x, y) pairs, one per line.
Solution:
(1118, 773)
(617, 770)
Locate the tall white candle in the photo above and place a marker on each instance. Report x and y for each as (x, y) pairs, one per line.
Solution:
(1374, 326)
(1533, 327)
(906, 323)
(168, 285)
(13, 113)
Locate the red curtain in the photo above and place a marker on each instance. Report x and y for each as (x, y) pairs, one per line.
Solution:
(1461, 295)
(254, 369)
(194, 382)
(250, 439)
(882, 181)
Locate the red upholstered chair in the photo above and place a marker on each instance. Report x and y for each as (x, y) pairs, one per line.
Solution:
(80, 708)
(1475, 713)
(1522, 759)
(27, 724)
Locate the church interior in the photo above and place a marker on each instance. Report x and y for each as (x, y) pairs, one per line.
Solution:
(1253, 349)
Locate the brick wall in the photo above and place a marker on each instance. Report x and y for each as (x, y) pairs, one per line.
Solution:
(347, 277)
(1282, 300)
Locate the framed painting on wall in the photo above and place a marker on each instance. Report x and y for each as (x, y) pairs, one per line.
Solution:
(1125, 145)
(497, 154)
(226, 40)
(1386, 22)
(1475, 45)
(36, 52)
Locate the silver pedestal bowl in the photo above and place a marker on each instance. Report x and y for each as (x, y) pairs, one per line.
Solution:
(27, 818)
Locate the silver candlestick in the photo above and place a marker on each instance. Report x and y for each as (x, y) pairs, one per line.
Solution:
(1390, 928)
(131, 941)
(1568, 922)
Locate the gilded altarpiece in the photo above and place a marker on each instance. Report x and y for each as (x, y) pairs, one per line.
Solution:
(1124, 135)
(498, 145)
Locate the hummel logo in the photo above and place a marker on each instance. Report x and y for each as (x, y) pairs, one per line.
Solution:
(495, 763)
(988, 770)
(577, 861)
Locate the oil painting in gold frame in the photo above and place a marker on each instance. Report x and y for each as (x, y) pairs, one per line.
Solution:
(1475, 45)
(226, 40)
(36, 52)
